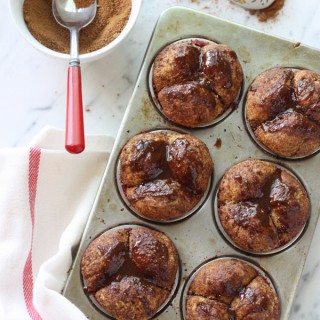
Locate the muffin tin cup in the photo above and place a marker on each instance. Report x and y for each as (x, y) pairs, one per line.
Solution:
(193, 274)
(253, 136)
(157, 104)
(271, 252)
(92, 299)
(198, 238)
(137, 213)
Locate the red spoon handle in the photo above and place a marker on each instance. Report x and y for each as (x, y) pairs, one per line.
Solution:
(74, 123)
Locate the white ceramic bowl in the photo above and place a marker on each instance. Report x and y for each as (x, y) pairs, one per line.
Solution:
(16, 10)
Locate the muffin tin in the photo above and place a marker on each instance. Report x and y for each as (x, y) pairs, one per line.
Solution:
(197, 237)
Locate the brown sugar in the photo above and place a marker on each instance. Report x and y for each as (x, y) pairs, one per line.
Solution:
(83, 3)
(270, 12)
(110, 20)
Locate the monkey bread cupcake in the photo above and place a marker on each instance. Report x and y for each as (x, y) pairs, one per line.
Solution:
(130, 272)
(261, 207)
(195, 81)
(283, 111)
(229, 288)
(164, 175)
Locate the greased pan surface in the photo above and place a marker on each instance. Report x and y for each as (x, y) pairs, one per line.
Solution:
(197, 237)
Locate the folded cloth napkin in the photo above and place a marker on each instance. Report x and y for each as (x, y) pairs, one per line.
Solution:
(46, 196)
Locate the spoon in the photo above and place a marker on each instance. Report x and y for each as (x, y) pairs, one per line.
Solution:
(74, 18)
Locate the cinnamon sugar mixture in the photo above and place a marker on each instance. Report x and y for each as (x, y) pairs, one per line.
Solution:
(111, 18)
(270, 12)
(83, 3)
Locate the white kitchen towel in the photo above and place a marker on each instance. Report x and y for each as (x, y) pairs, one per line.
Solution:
(45, 197)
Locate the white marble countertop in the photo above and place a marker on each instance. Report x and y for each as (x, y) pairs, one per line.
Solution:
(33, 89)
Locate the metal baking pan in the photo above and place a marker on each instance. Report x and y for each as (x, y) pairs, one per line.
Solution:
(197, 237)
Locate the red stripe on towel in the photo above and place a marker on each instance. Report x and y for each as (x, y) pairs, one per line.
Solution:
(34, 161)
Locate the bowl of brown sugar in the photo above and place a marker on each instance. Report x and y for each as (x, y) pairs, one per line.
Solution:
(113, 22)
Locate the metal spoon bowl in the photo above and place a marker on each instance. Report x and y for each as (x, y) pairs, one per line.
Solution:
(74, 18)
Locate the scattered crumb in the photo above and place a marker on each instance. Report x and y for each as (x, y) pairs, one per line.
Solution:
(218, 143)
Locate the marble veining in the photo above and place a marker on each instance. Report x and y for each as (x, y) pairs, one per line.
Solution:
(33, 90)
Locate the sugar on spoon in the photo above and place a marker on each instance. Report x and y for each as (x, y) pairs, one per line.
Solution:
(74, 15)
